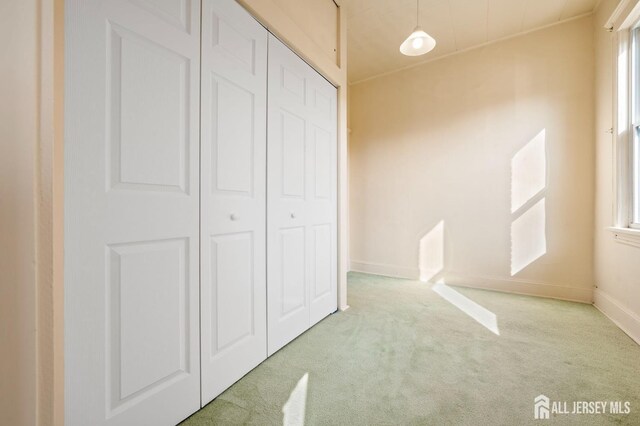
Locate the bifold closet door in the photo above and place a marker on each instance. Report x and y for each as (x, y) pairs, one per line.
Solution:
(301, 196)
(233, 173)
(132, 353)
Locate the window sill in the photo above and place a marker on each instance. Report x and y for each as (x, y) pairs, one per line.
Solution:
(626, 236)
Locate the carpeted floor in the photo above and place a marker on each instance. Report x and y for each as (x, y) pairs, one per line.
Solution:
(403, 354)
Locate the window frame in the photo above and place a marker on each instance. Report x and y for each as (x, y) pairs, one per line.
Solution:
(627, 108)
(632, 195)
(624, 23)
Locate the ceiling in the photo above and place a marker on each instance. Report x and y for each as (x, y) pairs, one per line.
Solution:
(377, 27)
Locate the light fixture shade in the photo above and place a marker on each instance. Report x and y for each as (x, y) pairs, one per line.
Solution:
(418, 43)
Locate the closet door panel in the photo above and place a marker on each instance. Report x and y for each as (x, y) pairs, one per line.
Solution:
(288, 297)
(322, 184)
(233, 172)
(131, 212)
(301, 202)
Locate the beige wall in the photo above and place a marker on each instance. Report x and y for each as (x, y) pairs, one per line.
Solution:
(444, 149)
(617, 266)
(319, 18)
(18, 141)
(307, 36)
(31, 293)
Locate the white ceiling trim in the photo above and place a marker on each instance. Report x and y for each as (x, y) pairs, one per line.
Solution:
(624, 15)
(488, 43)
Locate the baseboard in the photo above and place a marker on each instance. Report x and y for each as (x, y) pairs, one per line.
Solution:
(506, 285)
(520, 286)
(626, 320)
(385, 270)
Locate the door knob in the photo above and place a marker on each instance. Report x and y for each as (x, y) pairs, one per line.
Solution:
(293, 215)
(233, 216)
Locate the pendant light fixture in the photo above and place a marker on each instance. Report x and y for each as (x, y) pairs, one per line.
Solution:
(419, 42)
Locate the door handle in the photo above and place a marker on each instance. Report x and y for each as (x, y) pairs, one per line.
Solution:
(293, 215)
(233, 217)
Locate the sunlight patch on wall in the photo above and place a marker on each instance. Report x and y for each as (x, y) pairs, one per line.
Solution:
(479, 313)
(295, 408)
(528, 241)
(528, 171)
(528, 206)
(431, 252)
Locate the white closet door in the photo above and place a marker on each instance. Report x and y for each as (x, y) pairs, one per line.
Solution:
(131, 211)
(301, 196)
(233, 169)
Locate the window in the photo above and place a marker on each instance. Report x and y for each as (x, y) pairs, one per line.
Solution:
(633, 151)
(625, 25)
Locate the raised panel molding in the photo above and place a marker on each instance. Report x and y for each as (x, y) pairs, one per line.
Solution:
(322, 260)
(323, 166)
(234, 44)
(294, 84)
(174, 12)
(293, 155)
(292, 243)
(233, 133)
(148, 148)
(322, 104)
(301, 197)
(147, 344)
(233, 130)
(232, 283)
(132, 190)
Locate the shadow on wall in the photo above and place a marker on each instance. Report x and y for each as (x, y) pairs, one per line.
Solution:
(528, 212)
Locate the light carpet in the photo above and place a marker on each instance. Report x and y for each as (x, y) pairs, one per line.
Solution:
(404, 353)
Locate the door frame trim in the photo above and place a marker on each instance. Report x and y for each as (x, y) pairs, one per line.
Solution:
(49, 195)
